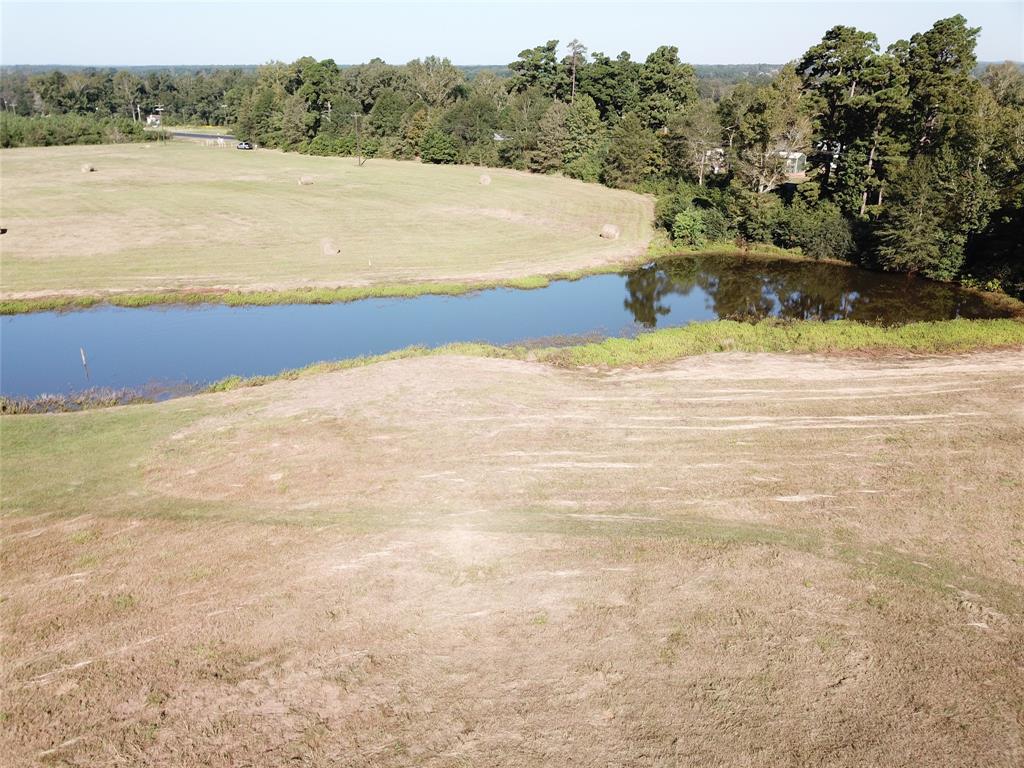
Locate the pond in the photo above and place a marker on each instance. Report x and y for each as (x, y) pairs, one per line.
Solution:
(172, 349)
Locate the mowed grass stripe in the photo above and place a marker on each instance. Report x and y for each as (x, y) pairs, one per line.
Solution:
(183, 216)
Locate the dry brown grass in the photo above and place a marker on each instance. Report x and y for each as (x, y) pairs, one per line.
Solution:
(181, 216)
(742, 560)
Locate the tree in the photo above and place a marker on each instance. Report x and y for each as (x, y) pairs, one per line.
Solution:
(367, 82)
(385, 118)
(875, 147)
(1005, 82)
(665, 85)
(584, 132)
(694, 137)
(833, 73)
(437, 147)
(552, 139)
(773, 127)
(910, 236)
(414, 127)
(538, 68)
(520, 124)
(733, 108)
(577, 58)
(318, 89)
(127, 87)
(297, 122)
(472, 123)
(633, 155)
(939, 65)
(612, 84)
(434, 80)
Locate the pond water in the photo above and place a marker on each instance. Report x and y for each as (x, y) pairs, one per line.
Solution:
(157, 347)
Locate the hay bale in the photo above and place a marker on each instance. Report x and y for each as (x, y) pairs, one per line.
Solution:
(328, 247)
(305, 181)
(610, 232)
(484, 179)
(87, 168)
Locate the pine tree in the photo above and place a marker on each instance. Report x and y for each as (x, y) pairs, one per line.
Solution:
(552, 140)
(910, 235)
(634, 153)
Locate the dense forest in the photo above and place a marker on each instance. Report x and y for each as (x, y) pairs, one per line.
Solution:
(907, 159)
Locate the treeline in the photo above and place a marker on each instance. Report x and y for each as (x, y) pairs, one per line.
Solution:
(903, 159)
(204, 96)
(58, 130)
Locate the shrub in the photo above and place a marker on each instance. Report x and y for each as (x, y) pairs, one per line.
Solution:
(438, 147)
(716, 225)
(688, 228)
(58, 130)
(820, 231)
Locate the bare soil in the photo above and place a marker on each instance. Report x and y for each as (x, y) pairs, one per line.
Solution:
(734, 560)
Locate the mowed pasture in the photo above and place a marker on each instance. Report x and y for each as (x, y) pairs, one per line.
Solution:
(182, 215)
(733, 559)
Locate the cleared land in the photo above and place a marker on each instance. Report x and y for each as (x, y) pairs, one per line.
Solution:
(182, 216)
(743, 560)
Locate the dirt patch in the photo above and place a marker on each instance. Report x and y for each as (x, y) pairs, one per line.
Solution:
(733, 560)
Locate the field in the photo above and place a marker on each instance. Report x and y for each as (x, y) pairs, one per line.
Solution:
(182, 216)
(733, 559)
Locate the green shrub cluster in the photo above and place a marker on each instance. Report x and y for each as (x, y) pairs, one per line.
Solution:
(59, 130)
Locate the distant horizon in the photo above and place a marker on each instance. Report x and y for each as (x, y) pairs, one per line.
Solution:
(155, 34)
(360, 63)
(1019, 62)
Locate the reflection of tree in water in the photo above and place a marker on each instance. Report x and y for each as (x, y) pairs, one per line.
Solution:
(648, 285)
(736, 287)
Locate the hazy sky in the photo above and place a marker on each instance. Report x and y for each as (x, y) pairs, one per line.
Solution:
(129, 33)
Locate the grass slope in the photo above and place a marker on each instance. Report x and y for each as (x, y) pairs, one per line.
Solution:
(181, 216)
(730, 556)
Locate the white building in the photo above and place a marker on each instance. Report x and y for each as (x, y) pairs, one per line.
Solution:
(795, 162)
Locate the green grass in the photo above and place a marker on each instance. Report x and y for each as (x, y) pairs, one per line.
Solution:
(671, 344)
(175, 220)
(803, 336)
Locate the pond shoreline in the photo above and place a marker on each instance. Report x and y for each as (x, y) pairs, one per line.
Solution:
(801, 337)
(68, 302)
(236, 297)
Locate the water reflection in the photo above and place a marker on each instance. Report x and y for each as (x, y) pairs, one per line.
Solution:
(131, 348)
(794, 290)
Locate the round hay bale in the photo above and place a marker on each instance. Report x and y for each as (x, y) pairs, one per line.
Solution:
(328, 247)
(484, 179)
(87, 168)
(610, 232)
(305, 181)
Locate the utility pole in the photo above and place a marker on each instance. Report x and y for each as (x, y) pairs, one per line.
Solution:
(359, 146)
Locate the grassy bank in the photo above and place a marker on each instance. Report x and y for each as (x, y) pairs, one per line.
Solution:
(670, 344)
(292, 296)
(659, 249)
(803, 336)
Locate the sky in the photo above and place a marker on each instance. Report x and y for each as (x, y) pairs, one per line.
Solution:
(730, 32)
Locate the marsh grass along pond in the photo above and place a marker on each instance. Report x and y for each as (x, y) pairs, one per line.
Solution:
(158, 347)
